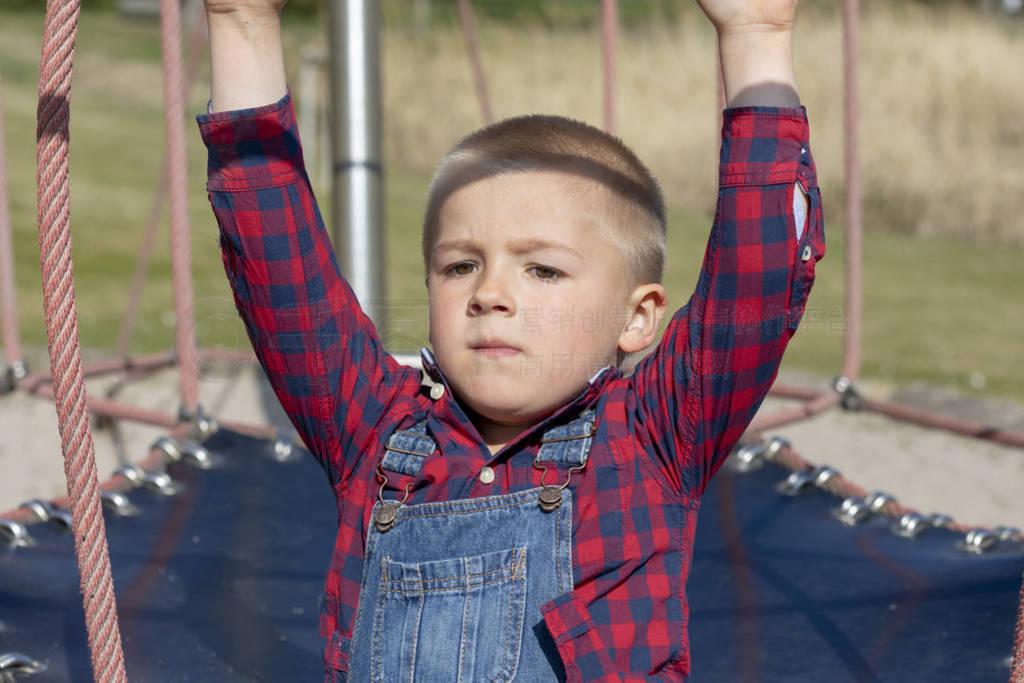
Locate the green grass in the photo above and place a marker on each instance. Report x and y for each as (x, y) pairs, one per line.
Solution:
(936, 310)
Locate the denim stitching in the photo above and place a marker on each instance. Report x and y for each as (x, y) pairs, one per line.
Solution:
(465, 620)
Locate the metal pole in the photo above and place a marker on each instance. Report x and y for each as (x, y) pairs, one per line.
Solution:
(358, 213)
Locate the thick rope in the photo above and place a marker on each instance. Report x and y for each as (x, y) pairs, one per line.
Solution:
(479, 80)
(59, 34)
(8, 297)
(609, 29)
(177, 192)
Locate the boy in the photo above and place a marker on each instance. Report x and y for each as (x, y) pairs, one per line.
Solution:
(520, 510)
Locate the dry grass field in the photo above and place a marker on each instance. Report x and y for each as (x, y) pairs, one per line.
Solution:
(942, 105)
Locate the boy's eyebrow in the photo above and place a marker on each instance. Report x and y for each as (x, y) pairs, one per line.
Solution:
(522, 246)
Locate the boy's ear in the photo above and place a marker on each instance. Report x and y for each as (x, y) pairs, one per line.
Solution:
(647, 305)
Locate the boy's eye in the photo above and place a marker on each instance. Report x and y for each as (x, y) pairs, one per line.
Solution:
(461, 268)
(545, 273)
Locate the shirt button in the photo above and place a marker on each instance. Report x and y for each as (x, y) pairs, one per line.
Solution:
(486, 475)
(437, 391)
(806, 255)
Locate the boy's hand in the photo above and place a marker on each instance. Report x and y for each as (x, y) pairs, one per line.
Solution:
(749, 16)
(755, 44)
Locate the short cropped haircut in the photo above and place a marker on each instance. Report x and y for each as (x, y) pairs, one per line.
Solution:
(636, 220)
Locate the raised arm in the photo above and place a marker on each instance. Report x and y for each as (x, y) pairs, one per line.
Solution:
(720, 353)
(246, 58)
(320, 352)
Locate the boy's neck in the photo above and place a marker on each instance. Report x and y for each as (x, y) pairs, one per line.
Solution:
(497, 436)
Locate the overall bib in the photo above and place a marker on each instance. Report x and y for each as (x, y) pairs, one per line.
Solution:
(451, 590)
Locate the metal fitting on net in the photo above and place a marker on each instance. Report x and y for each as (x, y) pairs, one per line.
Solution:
(849, 397)
(45, 511)
(284, 448)
(168, 447)
(749, 457)
(118, 503)
(877, 500)
(16, 664)
(1008, 533)
(198, 456)
(776, 445)
(912, 525)
(979, 541)
(204, 423)
(11, 375)
(15, 533)
(160, 482)
(796, 482)
(853, 511)
(133, 473)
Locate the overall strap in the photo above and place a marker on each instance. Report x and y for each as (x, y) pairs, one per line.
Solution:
(407, 448)
(568, 444)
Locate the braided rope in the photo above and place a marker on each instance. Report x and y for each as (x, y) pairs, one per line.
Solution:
(8, 299)
(59, 34)
(177, 192)
(124, 338)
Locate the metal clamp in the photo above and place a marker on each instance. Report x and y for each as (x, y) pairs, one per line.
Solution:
(1008, 533)
(849, 396)
(853, 511)
(45, 511)
(205, 423)
(912, 525)
(749, 457)
(12, 663)
(877, 500)
(161, 482)
(978, 541)
(119, 503)
(133, 473)
(198, 456)
(776, 445)
(284, 448)
(15, 533)
(168, 447)
(796, 482)
(11, 375)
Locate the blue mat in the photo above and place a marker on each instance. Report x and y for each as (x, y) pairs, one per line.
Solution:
(221, 582)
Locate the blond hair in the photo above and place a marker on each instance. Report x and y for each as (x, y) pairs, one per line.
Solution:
(636, 220)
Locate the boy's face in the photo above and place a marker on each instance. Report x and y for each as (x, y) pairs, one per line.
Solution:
(528, 296)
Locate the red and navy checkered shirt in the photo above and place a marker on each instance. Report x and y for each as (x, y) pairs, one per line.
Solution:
(662, 431)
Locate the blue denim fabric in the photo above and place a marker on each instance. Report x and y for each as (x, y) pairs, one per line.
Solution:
(452, 592)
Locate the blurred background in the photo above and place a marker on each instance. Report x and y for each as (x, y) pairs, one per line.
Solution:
(942, 95)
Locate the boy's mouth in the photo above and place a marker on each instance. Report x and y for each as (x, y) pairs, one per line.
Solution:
(494, 348)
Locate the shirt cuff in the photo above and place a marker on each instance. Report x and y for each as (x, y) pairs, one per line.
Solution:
(765, 146)
(253, 148)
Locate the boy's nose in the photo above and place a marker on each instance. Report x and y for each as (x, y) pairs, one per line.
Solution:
(492, 294)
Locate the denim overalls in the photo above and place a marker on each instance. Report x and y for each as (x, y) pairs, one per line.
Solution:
(451, 591)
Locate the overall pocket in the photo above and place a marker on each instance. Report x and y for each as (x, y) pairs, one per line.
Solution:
(458, 619)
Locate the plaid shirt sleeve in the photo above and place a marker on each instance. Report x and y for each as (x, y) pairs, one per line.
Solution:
(699, 389)
(319, 351)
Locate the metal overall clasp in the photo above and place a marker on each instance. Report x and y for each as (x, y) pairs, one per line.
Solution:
(550, 497)
(385, 515)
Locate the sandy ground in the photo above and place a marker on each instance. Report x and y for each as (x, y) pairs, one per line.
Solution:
(974, 482)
